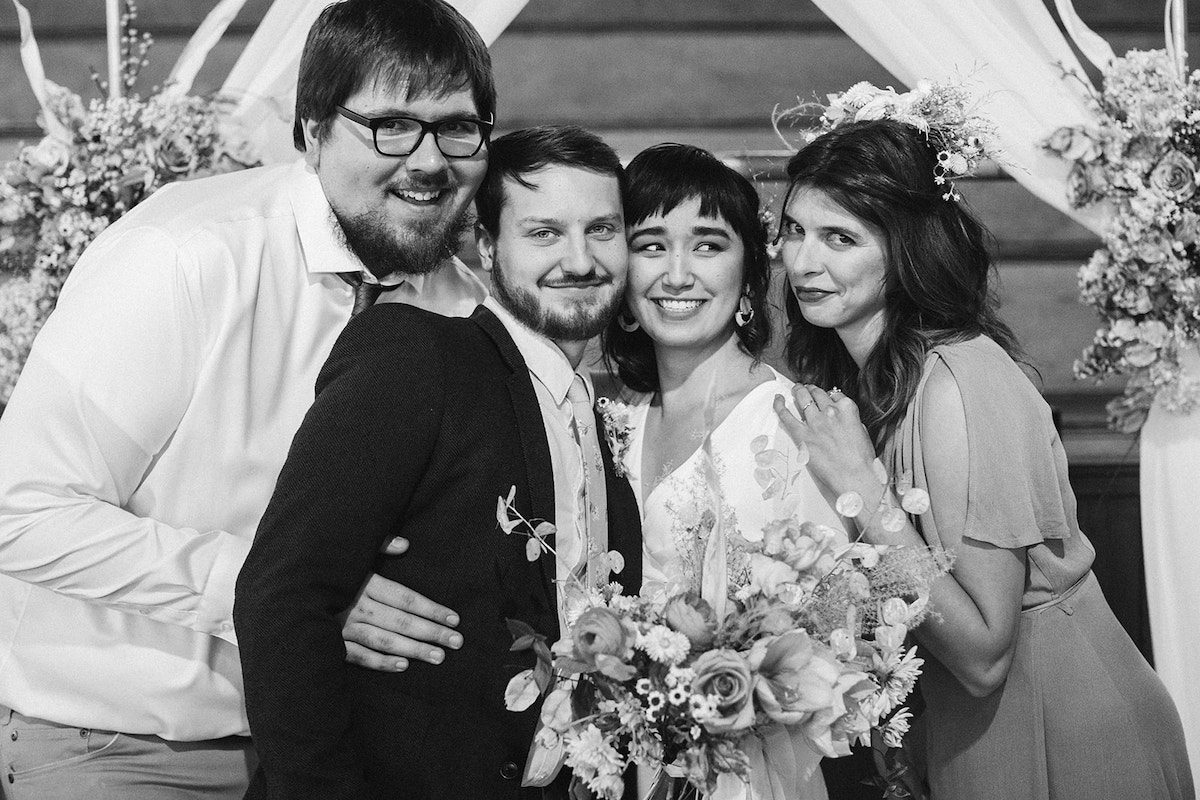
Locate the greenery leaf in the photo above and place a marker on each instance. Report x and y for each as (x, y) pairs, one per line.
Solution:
(521, 692)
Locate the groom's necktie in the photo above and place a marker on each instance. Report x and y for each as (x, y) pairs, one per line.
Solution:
(592, 521)
(365, 294)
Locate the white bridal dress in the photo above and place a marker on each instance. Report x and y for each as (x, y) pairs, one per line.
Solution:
(785, 766)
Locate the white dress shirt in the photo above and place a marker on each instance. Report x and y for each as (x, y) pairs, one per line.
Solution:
(143, 440)
(552, 374)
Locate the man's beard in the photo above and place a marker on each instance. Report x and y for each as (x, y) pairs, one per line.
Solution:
(413, 248)
(579, 324)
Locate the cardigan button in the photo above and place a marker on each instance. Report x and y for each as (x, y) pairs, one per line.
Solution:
(509, 770)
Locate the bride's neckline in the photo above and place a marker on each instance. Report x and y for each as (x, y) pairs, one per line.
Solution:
(649, 484)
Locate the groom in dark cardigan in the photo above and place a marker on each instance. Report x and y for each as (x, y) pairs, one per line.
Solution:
(420, 424)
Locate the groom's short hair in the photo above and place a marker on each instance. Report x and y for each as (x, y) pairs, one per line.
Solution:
(425, 46)
(525, 151)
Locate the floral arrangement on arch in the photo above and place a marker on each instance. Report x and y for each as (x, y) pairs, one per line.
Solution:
(1141, 155)
(812, 645)
(96, 162)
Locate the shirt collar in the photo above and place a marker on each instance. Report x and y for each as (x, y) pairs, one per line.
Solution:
(544, 359)
(323, 249)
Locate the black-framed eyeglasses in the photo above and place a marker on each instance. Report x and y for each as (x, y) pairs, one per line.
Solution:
(457, 137)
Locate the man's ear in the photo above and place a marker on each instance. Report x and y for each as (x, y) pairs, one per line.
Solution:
(312, 145)
(486, 246)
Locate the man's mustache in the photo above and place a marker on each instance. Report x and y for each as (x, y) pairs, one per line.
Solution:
(578, 281)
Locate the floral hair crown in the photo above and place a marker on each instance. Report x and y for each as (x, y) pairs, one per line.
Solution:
(944, 112)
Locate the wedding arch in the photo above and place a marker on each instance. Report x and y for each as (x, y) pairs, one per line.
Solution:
(1015, 52)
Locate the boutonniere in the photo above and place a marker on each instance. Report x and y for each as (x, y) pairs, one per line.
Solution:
(618, 431)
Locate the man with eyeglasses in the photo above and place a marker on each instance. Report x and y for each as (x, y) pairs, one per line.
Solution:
(421, 425)
(142, 443)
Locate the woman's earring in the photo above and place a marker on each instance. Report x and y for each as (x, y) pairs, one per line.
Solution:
(628, 322)
(745, 312)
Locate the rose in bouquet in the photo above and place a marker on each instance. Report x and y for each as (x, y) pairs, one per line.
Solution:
(1141, 155)
(813, 642)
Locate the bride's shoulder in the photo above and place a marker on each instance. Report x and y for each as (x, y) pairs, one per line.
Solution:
(755, 413)
(779, 379)
(776, 384)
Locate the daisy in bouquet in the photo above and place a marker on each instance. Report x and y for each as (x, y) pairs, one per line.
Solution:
(1141, 155)
(96, 161)
(812, 644)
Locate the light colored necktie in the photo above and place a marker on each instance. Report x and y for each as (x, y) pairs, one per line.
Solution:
(593, 500)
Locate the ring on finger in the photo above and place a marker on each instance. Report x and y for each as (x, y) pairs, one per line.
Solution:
(804, 407)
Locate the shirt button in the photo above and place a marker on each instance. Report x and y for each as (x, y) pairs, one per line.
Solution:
(226, 627)
(509, 770)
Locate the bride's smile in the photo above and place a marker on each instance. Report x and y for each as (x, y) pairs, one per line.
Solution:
(685, 276)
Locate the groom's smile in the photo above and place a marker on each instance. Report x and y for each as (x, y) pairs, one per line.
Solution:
(559, 259)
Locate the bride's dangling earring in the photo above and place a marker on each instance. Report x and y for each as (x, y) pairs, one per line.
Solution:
(745, 312)
(627, 321)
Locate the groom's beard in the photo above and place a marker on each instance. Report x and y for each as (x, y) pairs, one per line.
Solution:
(419, 247)
(579, 323)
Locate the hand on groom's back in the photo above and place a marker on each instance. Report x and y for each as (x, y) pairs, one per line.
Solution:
(389, 624)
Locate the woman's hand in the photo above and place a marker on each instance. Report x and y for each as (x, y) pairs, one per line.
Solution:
(841, 456)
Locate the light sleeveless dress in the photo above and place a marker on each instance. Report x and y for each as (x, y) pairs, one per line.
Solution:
(672, 505)
(1081, 715)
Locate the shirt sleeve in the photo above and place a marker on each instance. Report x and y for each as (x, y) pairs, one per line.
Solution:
(105, 386)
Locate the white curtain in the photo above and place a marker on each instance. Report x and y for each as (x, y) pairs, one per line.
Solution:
(1011, 50)
(263, 81)
(1170, 473)
(1014, 50)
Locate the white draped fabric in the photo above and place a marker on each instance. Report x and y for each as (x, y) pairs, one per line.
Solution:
(263, 81)
(1014, 50)
(1010, 50)
(1170, 469)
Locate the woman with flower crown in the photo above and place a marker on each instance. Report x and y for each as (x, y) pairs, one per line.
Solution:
(689, 339)
(1032, 688)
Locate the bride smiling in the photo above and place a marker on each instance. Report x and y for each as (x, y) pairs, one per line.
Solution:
(706, 455)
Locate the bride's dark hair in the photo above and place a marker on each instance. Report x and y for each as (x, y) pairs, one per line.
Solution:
(937, 287)
(661, 178)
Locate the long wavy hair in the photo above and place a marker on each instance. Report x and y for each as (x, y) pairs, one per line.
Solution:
(661, 178)
(938, 286)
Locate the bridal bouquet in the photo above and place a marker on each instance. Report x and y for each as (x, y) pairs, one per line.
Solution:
(813, 642)
(1141, 155)
(95, 162)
